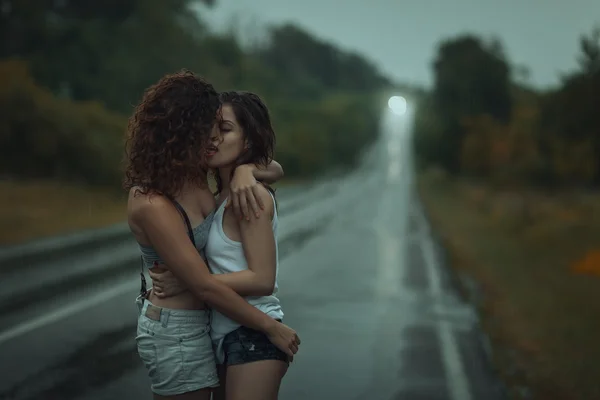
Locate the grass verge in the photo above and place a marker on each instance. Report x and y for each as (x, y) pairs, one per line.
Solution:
(534, 258)
(33, 210)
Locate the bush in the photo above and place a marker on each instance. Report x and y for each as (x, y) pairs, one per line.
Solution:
(43, 136)
(315, 136)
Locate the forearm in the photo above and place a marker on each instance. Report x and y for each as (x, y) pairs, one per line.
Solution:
(246, 283)
(226, 301)
(269, 174)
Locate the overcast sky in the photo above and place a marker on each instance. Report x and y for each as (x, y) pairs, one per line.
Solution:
(400, 36)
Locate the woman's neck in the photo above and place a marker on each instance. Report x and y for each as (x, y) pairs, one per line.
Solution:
(225, 175)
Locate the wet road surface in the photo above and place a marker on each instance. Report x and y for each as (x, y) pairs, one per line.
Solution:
(362, 282)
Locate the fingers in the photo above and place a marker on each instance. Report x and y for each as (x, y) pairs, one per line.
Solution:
(156, 271)
(155, 277)
(158, 292)
(158, 287)
(245, 202)
(257, 196)
(295, 343)
(294, 348)
(244, 206)
(254, 200)
(236, 206)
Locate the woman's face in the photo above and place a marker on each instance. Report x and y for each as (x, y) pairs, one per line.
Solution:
(227, 141)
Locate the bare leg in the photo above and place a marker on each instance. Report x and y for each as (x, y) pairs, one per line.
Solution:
(202, 394)
(259, 380)
(219, 393)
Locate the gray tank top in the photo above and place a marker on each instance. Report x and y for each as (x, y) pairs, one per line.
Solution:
(198, 236)
(199, 233)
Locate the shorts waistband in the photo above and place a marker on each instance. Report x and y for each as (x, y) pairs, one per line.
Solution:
(166, 315)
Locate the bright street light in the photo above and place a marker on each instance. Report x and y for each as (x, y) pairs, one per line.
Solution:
(397, 104)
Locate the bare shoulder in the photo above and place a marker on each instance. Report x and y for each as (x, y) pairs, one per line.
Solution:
(267, 199)
(144, 205)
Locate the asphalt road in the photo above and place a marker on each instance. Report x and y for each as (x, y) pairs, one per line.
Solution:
(362, 282)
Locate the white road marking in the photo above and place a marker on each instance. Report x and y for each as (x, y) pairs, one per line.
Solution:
(73, 308)
(456, 377)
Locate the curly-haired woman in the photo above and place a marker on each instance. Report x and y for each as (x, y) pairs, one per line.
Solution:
(170, 210)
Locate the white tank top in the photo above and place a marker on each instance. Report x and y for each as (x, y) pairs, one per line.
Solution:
(224, 256)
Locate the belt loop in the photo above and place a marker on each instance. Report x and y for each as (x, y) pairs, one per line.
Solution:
(139, 301)
(164, 317)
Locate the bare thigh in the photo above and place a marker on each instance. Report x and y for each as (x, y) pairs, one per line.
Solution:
(258, 380)
(219, 392)
(202, 394)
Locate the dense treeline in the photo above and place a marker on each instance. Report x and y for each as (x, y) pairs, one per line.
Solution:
(70, 73)
(482, 120)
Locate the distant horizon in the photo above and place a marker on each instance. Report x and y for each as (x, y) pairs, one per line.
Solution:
(523, 29)
(387, 74)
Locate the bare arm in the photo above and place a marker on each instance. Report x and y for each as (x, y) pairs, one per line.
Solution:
(244, 187)
(258, 241)
(269, 174)
(164, 229)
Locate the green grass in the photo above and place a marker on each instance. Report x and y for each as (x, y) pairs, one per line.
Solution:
(525, 251)
(32, 210)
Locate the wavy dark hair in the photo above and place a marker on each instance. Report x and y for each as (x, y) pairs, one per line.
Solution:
(253, 117)
(168, 132)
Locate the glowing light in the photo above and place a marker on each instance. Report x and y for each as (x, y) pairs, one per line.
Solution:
(397, 104)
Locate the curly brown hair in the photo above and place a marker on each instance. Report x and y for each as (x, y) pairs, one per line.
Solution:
(167, 134)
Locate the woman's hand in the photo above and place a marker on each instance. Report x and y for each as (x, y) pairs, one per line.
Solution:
(284, 338)
(243, 189)
(164, 283)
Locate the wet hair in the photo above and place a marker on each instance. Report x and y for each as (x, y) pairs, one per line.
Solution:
(168, 132)
(253, 117)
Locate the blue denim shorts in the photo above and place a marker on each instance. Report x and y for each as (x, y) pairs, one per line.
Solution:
(245, 345)
(176, 349)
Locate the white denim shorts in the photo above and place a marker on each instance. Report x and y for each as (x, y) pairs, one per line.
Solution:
(176, 349)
